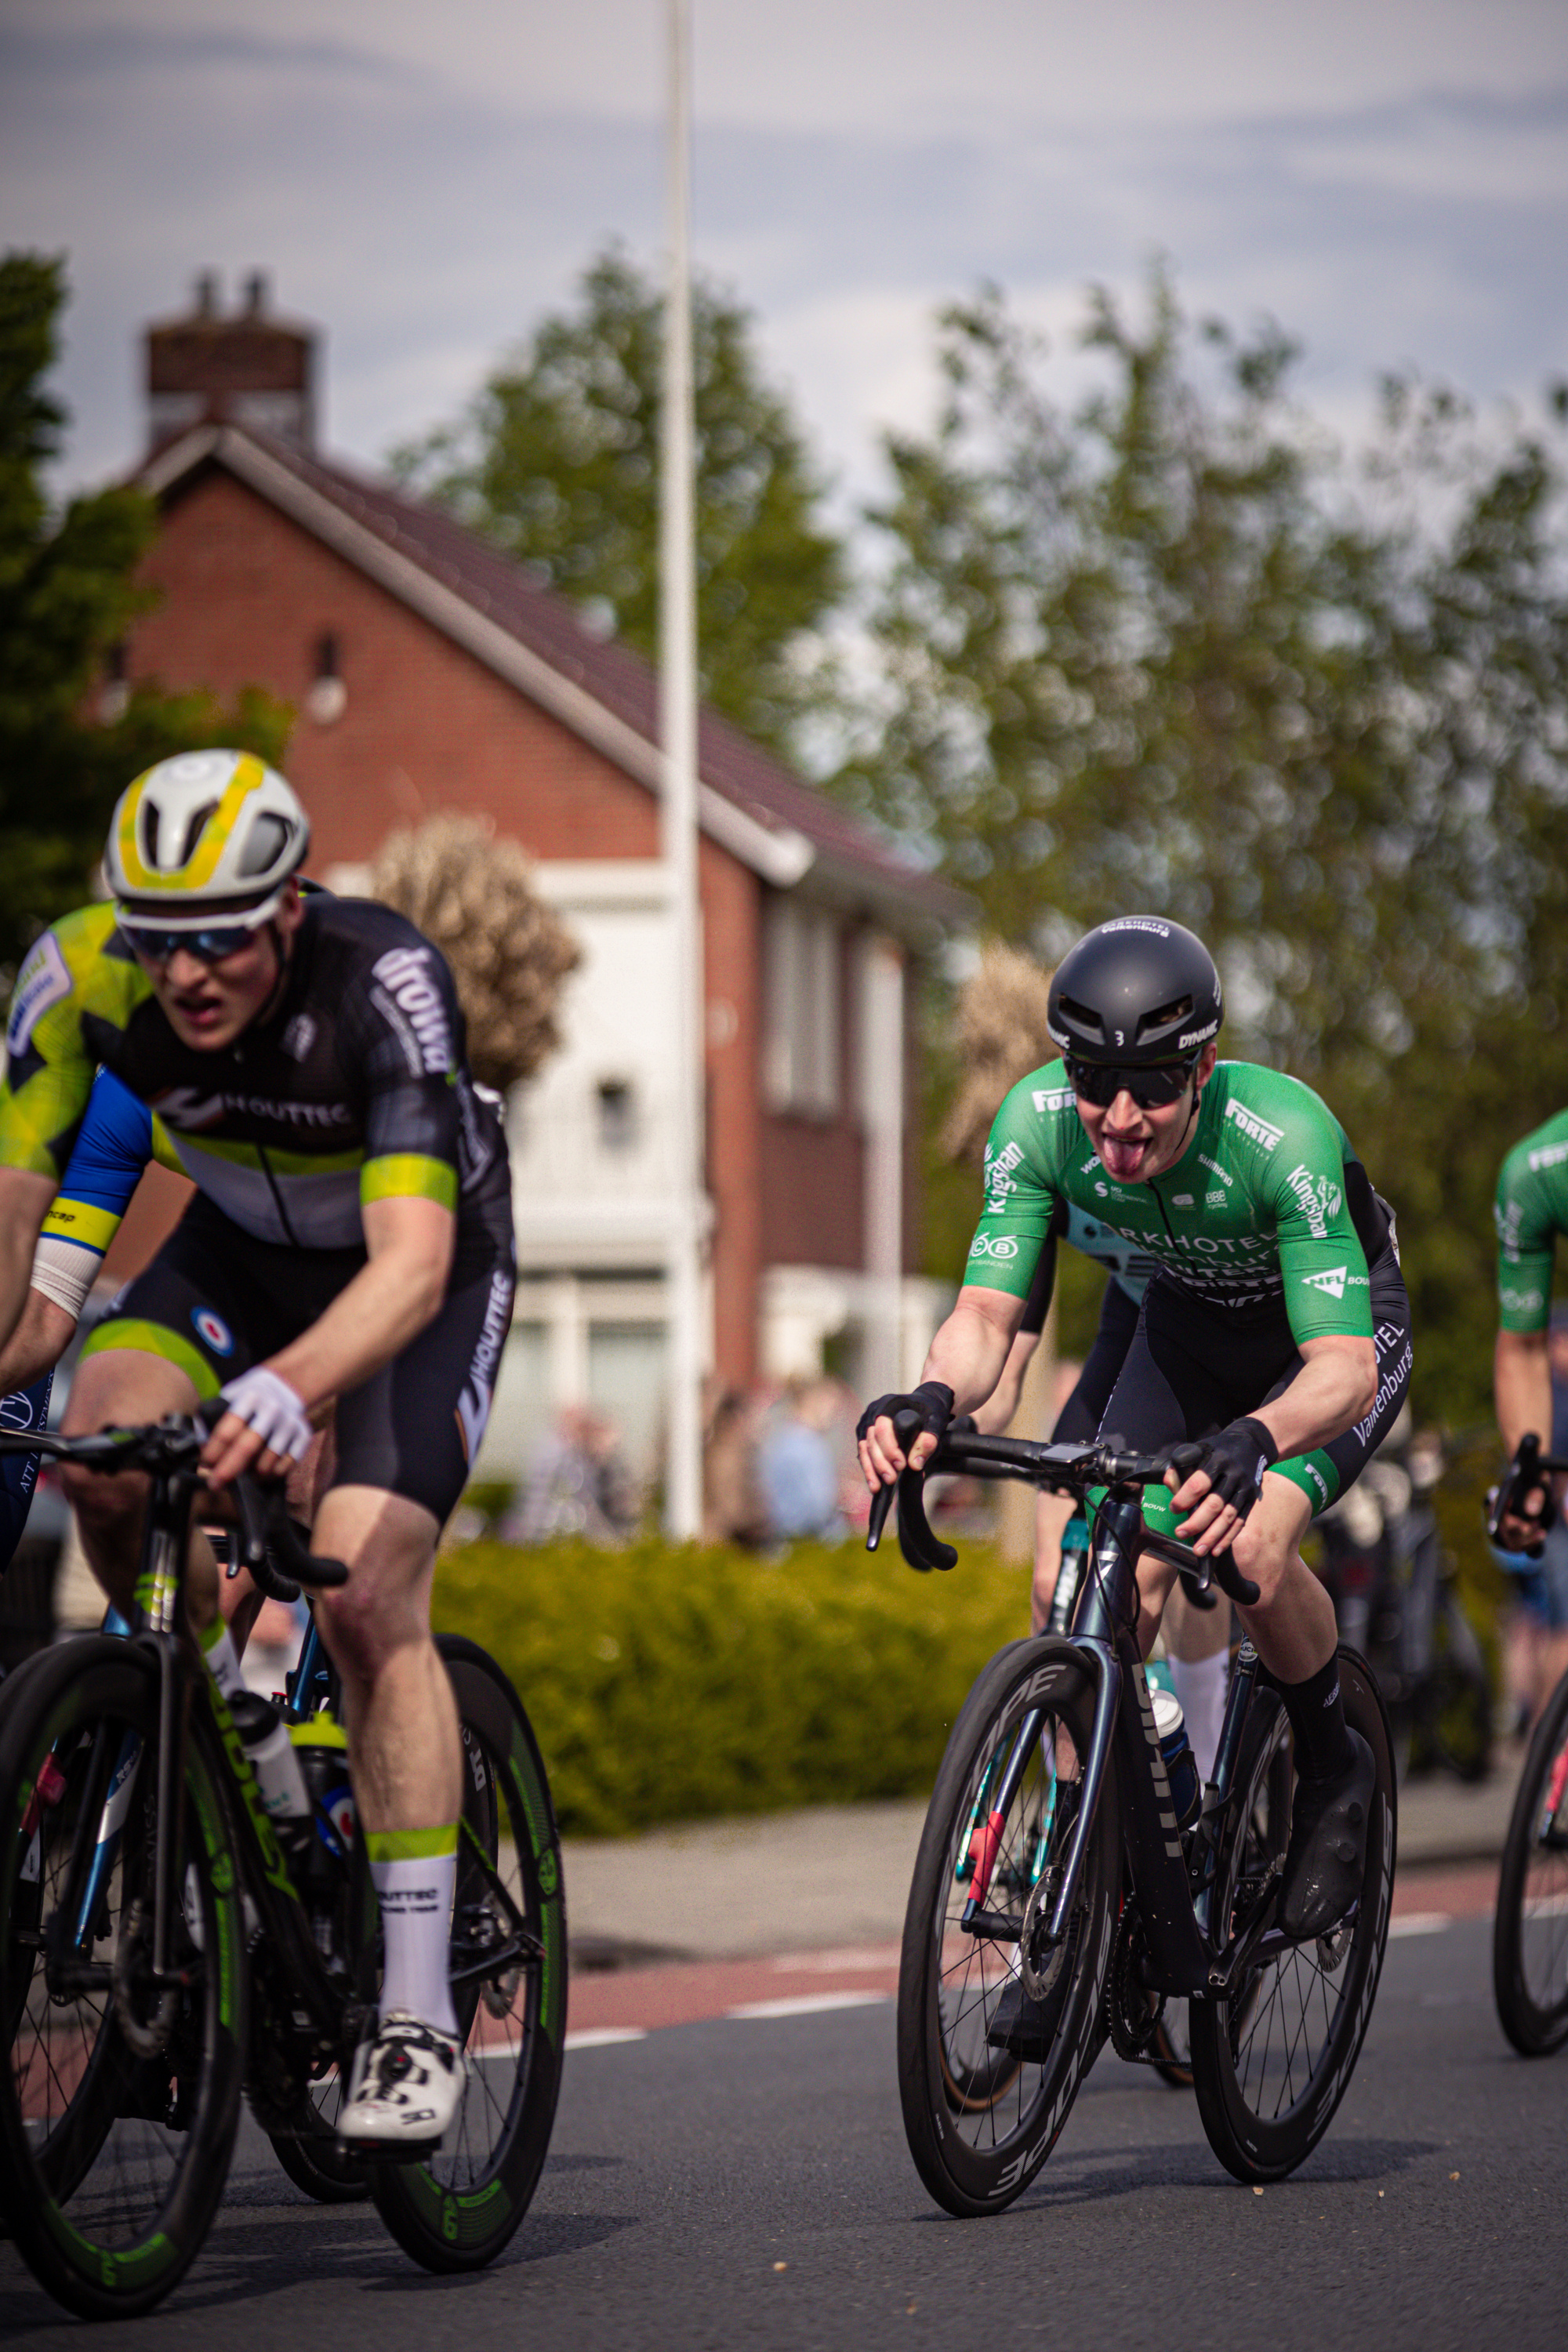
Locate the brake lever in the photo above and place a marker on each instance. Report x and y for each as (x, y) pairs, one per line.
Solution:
(921, 1549)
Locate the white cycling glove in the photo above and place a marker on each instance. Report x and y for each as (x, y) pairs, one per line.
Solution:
(274, 1410)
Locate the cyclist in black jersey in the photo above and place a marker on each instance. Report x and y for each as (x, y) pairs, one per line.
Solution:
(1274, 1339)
(349, 1245)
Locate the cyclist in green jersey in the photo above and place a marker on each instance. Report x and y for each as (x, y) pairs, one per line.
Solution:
(1274, 1338)
(1532, 1209)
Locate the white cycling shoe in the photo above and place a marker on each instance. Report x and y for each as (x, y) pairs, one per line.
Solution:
(404, 2091)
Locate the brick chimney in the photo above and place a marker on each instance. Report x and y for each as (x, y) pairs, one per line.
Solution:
(251, 369)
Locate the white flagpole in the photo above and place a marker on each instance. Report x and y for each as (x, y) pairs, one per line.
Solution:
(677, 735)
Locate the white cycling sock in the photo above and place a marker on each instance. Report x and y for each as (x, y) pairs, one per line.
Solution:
(414, 1873)
(1202, 1685)
(223, 1659)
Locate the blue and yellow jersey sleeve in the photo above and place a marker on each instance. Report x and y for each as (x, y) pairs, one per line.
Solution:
(116, 1139)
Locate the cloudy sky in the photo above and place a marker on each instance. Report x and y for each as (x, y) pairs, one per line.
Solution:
(1389, 178)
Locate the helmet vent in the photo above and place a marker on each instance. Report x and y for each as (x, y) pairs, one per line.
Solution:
(1166, 1017)
(193, 829)
(1083, 1017)
(269, 839)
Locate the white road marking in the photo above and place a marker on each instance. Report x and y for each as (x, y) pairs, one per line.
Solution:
(853, 1956)
(595, 2037)
(807, 2004)
(1419, 1923)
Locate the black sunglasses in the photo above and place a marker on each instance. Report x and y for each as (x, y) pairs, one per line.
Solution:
(1151, 1086)
(208, 946)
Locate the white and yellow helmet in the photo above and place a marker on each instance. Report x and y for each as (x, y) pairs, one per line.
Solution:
(204, 833)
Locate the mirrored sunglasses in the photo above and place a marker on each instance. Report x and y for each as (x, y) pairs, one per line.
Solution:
(1152, 1086)
(210, 945)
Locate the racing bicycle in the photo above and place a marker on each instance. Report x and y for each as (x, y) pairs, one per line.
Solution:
(1055, 1884)
(1530, 1930)
(163, 1951)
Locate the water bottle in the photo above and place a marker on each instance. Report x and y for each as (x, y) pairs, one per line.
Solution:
(1180, 1764)
(1070, 1573)
(277, 1769)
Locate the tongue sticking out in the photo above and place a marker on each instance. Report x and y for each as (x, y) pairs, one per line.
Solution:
(1122, 1161)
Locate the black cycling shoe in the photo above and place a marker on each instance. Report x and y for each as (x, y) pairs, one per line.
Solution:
(1027, 2027)
(1326, 1860)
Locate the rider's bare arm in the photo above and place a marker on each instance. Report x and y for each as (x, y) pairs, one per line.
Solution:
(1336, 1387)
(1521, 1384)
(995, 1415)
(968, 1355)
(388, 1303)
(42, 1334)
(24, 1203)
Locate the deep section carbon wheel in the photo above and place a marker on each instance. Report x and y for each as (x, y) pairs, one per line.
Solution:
(1530, 1936)
(1271, 2063)
(981, 2119)
(509, 1983)
(120, 2097)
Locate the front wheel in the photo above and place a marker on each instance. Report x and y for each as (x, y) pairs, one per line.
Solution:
(1530, 1936)
(456, 2212)
(1271, 2063)
(120, 2099)
(981, 2119)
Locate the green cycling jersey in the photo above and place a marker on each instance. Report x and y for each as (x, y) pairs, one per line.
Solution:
(1266, 1213)
(1532, 1210)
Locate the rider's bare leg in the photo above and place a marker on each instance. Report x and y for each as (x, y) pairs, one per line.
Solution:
(119, 1388)
(1292, 1623)
(1052, 1513)
(404, 1749)
(401, 1717)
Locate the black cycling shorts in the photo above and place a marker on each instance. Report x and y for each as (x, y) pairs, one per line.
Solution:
(1080, 1419)
(1191, 1368)
(216, 1300)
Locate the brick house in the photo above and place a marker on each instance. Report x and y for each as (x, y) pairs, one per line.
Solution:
(430, 672)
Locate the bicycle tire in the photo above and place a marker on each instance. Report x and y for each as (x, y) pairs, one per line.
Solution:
(1267, 2078)
(1532, 1895)
(457, 2212)
(113, 2163)
(976, 2156)
(315, 2162)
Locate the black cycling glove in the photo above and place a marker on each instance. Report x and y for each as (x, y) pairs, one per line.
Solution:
(1235, 1458)
(933, 1401)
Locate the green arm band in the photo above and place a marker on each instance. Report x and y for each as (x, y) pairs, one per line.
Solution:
(408, 1175)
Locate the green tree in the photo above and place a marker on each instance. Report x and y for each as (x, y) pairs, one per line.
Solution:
(556, 460)
(67, 592)
(1174, 650)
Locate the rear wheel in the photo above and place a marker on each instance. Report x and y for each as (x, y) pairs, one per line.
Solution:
(1271, 2063)
(981, 2120)
(509, 1983)
(119, 2106)
(1530, 1937)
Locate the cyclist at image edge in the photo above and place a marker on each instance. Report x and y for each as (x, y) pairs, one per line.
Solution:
(1275, 1332)
(1532, 1209)
(116, 1139)
(348, 1242)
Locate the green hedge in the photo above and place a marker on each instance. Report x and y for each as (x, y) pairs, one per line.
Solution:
(667, 1683)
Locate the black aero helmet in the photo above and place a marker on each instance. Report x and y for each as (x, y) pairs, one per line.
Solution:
(1135, 989)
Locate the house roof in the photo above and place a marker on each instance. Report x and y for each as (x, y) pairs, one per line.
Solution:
(748, 801)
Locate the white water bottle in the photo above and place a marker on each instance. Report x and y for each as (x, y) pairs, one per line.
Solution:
(272, 1759)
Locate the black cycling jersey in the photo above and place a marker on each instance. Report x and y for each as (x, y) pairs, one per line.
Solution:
(353, 1088)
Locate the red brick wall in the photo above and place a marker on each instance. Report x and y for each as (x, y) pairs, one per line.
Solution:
(245, 595)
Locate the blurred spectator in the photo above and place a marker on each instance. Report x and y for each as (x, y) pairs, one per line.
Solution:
(733, 1510)
(797, 1462)
(578, 1484)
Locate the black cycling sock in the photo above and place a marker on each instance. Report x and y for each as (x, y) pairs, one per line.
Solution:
(1317, 1716)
